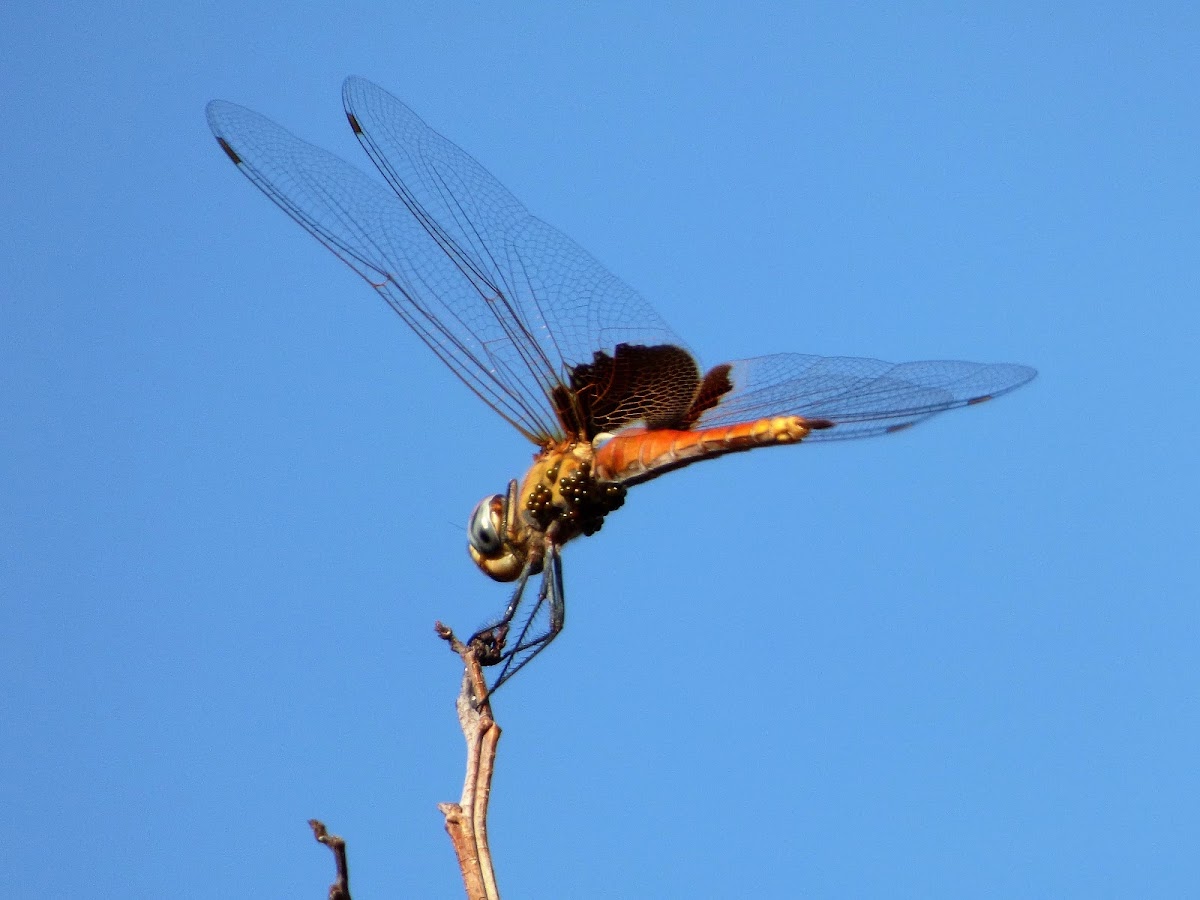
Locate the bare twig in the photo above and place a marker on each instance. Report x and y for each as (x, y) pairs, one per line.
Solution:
(340, 889)
(466, 821)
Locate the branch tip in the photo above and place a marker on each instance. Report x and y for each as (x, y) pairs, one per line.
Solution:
(340, 889)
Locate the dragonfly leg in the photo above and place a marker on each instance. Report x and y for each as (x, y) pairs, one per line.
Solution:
(551, 598)
(490, 641)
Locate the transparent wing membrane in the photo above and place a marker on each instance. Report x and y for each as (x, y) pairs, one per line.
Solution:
(509, 303)
(861, 397)
(530, 321)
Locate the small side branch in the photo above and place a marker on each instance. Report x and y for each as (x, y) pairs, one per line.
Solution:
(466, 821)
(340, 889)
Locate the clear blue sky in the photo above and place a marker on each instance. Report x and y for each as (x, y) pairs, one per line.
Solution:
(954, 662)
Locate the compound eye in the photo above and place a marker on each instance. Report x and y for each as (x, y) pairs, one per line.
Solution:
(483, 528)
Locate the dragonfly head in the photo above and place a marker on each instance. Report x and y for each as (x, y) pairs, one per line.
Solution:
(491, 539)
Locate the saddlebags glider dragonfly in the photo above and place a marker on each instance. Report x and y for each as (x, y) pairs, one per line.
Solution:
(562, 349)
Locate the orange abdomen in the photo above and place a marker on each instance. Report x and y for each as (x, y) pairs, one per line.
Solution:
(637, 455)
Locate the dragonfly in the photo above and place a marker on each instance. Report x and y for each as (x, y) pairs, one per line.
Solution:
(563, 350)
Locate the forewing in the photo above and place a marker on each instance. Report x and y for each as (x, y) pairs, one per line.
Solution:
(507, 302)
(861, 397)
(540, 302)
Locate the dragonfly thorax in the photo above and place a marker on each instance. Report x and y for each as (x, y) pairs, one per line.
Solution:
(561, 492)
(559, 499)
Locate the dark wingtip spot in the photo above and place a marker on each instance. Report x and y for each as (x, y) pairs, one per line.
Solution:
(354, 123)
(982, 399)
(819, 424)
(229, 151)
(892, 429)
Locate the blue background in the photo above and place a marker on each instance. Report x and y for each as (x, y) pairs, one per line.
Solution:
(954, 662)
